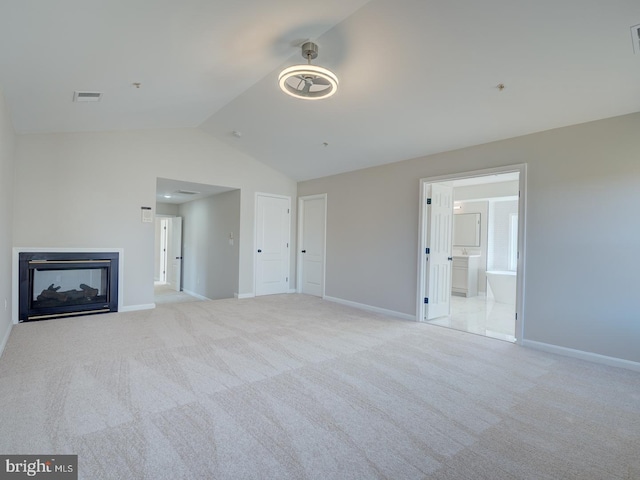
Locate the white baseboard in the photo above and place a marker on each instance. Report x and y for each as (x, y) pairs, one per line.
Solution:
(369, 308)
(135, 308)
(582, 355)
(5, 339)
(240, 296)
(194, 294)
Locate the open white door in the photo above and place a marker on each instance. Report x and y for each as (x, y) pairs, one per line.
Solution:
(312, 244)
(272, 244)
(439, 243)
(174, 253)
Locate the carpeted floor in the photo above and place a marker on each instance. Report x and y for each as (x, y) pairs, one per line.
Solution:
(293, 387)
(165, 294)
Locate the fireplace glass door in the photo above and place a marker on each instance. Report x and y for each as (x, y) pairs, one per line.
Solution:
(76, 286)
(54, 285)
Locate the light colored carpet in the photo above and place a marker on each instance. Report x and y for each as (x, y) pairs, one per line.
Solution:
(165, 294)
(293, 387)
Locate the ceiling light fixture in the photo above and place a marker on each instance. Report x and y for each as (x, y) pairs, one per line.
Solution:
(309, 82)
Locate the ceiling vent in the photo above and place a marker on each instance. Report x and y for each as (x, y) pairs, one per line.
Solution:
(87, 96)
(187, 192)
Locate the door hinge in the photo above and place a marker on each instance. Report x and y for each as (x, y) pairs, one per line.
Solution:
(287, 210)
(516, 315)
(426, 300)
(286, 279)
(426, 250)
(287, 245)
(428, 201)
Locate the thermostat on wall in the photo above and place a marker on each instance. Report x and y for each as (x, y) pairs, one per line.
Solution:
(147, 215)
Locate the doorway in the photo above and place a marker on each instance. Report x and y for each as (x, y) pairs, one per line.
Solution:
(481, 249)
(197, 247)
(171, 252)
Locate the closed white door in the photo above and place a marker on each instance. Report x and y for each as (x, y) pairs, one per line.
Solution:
(312, 244)
(174, 253)
(272, 244)
(439, 242)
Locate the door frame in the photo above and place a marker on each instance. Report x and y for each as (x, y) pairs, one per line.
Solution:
(164, 254)
(255, 237)
(521, 168)
(299, 258)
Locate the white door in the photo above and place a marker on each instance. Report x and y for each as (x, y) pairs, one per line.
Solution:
(174, 253)
(312, 244)
(439, 243)
(272, 244)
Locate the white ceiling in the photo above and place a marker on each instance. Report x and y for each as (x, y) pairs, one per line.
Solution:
(416, 76)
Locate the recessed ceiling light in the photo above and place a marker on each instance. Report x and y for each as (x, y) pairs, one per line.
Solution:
(167, 196)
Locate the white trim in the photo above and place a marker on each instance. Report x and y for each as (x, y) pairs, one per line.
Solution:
(255, 235)
(5, 339)
(582, 355)
(301, 201)
(135, 308)
(241, 296)
(369, 308)
(15, 273)
(194, 294)
(521, 168)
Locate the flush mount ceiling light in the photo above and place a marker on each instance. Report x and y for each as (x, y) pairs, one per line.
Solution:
(309, 82)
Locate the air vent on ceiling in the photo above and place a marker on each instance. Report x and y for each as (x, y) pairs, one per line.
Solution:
(635, 35)
(187, 192)
(87, 96)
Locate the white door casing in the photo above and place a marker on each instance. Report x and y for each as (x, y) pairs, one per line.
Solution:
(439, 243)
(163, 249)
(273, 227)
(522, 244)
(312, 213)
(174, 253)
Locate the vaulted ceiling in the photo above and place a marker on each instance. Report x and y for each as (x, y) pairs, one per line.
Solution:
(416, 76)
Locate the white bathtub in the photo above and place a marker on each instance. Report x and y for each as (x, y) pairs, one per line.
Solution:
(503, 285)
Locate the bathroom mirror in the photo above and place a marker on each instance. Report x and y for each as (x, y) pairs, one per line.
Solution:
(466, 230)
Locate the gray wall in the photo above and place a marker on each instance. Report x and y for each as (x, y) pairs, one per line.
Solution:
(210, 265)
(7, 154)
(583, 233)
(98, 182)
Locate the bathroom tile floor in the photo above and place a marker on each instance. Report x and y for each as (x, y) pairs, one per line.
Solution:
(482, 316)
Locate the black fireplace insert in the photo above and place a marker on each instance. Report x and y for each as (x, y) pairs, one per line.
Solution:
(63, 284)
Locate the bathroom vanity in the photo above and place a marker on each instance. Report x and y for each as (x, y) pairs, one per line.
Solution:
(464, 275)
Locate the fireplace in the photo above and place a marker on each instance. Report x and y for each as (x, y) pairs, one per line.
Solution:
(63, 284)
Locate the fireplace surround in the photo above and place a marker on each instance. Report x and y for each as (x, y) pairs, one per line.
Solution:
(62, 284)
